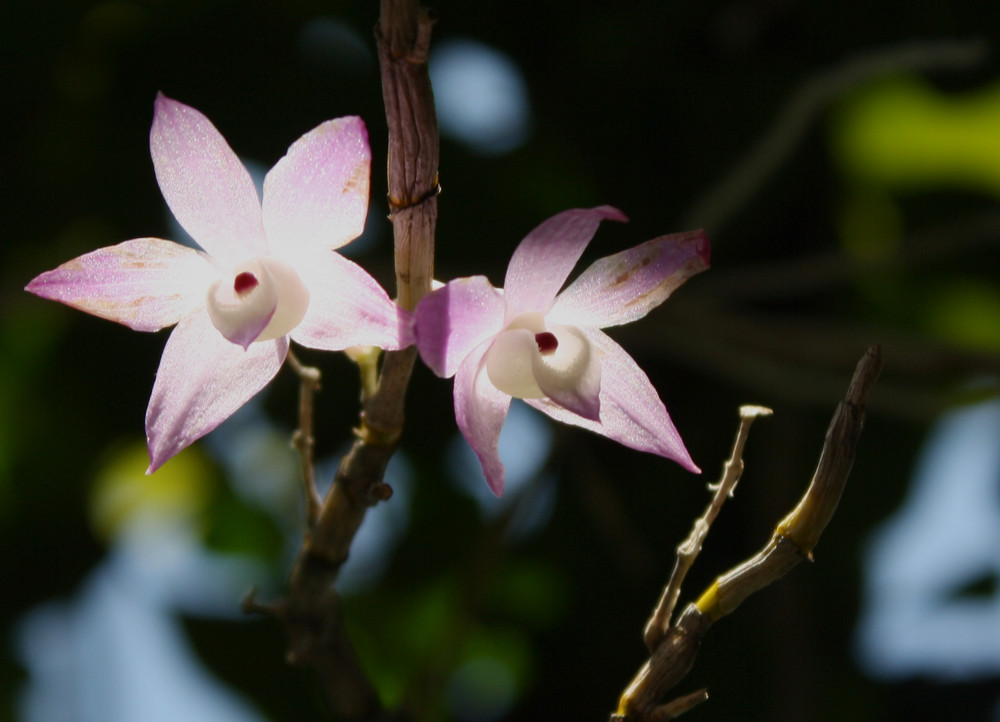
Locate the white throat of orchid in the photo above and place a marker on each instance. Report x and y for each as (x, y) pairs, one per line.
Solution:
(527, 356)
(263, 299)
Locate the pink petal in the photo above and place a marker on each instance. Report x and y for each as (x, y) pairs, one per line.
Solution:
(626, 286)
(543, 260)
(453, 320)
(202, 380)
(317, 195)
(347, 307)
(145, 284)
(480, 410)
(208, 189)
(631, 411)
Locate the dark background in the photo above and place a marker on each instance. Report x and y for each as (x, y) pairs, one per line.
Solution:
(645, 106)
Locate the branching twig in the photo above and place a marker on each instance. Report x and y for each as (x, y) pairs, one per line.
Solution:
(793, 540)
(659, 624)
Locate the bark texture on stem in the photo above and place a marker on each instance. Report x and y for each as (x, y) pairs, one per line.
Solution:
(404, 34)
(311, 608)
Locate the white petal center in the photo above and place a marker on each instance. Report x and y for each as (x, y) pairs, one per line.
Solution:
(264, 299)
(526, 355)
(564, 367)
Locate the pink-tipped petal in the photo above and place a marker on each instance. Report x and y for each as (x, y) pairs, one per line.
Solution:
(631, 411)
(480, 410)
(543, 260)
(145, 284)
(455, 319)
(317, 195)
(202, 380)
(626, 286)
(208, 189)
(347, 307)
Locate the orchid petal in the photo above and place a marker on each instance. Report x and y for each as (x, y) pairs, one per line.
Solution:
(347, 307)
(317, 194)
(202, 380)
(543, 260)
(571, 374)
(145, 284)
(626, 286)
(454, 319)
(631, 411)
(480, 410)
(208, 189)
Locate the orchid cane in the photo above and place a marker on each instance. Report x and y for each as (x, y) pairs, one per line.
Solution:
(531, 342)
(268, 271)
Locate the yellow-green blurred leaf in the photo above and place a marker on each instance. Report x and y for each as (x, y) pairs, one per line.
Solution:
(122, 491)
(903, 134)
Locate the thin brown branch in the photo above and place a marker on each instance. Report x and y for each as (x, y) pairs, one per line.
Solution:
(303, 440)
(810, 274)
(802, 361)
(659, 623)
(793, 540)
(804, 525)
(311, 608)
(751, 173)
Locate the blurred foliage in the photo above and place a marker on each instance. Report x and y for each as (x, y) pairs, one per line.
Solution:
(880, 225)
(906, 135)
(902, 136)
(966, 312)
(122, 493)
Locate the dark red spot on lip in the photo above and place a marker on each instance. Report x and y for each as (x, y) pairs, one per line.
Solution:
(245, 282)
(547, 342)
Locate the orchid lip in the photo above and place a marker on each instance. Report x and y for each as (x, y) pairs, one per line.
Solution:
(265, 300)
(526, 356)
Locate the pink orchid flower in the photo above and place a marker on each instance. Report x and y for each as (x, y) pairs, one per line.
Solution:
(529, 341)
(268, 271)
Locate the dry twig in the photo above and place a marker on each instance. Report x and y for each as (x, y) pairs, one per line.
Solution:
(793, 540)
(659, 624)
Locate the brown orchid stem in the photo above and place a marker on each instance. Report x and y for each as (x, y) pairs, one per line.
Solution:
(404, 34)
(793, 540)
(311, 608)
